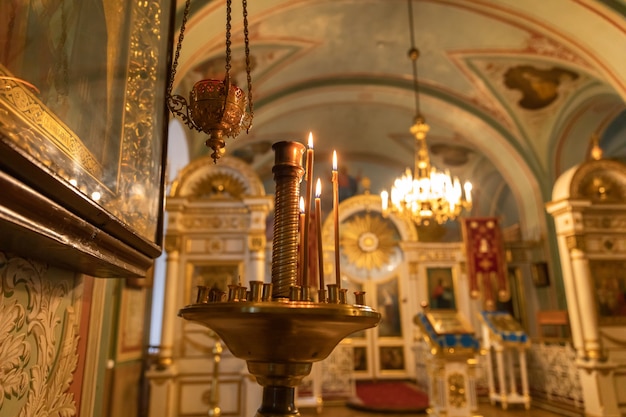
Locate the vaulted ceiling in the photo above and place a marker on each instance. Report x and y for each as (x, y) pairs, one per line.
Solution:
(513, 90)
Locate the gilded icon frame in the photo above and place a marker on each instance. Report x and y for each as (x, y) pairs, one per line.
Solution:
(86, 165)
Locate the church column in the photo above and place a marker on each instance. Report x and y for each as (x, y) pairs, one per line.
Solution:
(596, 373)
(163, 374)
(567, 223)
(259, 209)
(585, 294)
(170, 300)
(256, 246)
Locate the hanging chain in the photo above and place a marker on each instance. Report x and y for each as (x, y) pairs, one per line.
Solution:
(228, 13)
(179, 45)
(413, 55)
(248, 69)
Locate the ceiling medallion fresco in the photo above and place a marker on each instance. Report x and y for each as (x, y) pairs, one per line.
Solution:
(539, 87)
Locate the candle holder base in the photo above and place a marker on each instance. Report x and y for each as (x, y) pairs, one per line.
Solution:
(280, 340)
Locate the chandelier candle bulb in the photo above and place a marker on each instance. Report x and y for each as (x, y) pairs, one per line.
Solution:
(318, 228)
(384, 198)
(307, 214)
(335, 180)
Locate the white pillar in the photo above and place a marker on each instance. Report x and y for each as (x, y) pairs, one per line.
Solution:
(586, 293)
(256, 259)
(170, 300)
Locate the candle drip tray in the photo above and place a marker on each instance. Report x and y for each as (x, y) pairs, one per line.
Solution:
(281, 340)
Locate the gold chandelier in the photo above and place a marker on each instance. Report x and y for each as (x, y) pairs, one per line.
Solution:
(426, 194)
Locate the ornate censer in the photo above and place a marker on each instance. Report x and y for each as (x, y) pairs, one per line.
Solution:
(216, 107)
(269, 325)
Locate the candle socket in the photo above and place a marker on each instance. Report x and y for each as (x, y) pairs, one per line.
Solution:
(343, 299)
(243, 293)
(306, 293)
(333, 293)
(203, 294)
(256, 291)
(233, 292)
(359, 297)
(295, 293)
(215, 295)
(267, 292)
(321, 295)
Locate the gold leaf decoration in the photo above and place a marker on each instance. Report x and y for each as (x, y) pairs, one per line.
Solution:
(367, 241)
(219, 185)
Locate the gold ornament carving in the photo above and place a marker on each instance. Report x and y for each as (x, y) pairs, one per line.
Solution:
(256, 242)
(219, 185)
(601, 181)
(457, 397)
(575, 242)
(38, 348)
(367, 241)
(172, 243)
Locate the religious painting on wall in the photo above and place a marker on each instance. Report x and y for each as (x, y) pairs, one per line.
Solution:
(441, 293)
(390, 325)
(609, 281)
(360, 358)
(82, 109)
(391, 358)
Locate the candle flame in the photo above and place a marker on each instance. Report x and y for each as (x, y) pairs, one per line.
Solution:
(318, 188)
(310, 140)
(301, 204)
(334, 160)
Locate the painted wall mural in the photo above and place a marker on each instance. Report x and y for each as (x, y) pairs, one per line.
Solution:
(38, 339)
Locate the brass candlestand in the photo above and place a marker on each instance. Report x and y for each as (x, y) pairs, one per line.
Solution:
(278, 334)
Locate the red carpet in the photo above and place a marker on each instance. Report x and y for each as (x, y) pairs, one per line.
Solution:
(389, 397)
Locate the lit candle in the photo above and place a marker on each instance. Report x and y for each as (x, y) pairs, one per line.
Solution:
(307, 213)
(302, 241)
(318, 224)
(335, 180)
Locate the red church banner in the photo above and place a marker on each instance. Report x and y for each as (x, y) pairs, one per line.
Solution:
(486, 263)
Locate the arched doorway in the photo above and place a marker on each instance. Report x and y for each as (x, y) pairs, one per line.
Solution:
(372, 260)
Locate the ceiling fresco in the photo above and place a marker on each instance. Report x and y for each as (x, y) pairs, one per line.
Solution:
(513, 91)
